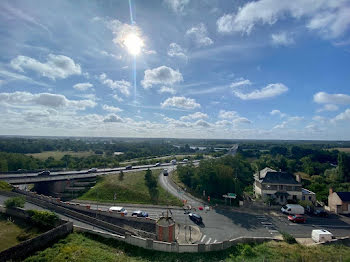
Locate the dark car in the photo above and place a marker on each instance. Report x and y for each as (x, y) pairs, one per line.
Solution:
(195, 218)
(128, 167)
(320, 213)
(297, 218)
(44, 173)
(139, 213)
(165, 172)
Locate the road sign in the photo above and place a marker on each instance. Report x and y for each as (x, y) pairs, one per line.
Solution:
(231, 195)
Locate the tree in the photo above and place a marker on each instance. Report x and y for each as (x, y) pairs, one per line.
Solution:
(121, 175)
(152, 185)
(15, 202)
(343, 167)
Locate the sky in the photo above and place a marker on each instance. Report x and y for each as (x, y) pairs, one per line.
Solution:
(264, 69)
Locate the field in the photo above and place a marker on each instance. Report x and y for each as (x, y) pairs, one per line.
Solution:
(341, 149)
(132, 189)
(57, 155)
(85, 247)
(14, 230)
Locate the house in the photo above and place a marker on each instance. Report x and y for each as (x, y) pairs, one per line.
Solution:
(281, 186)
(308, 195)
(339, 202)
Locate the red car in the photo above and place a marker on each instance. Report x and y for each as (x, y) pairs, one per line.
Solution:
(297, 218)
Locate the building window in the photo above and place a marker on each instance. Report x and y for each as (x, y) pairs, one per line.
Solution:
(294, 197)
(310, 198)
(303, 197)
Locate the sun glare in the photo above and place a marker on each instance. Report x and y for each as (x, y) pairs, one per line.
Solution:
(133, 43)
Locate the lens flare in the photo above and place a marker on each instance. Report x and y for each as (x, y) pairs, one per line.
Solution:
(133, 43)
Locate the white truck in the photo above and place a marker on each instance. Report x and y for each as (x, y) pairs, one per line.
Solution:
(293, 209)
(173, 162)
(321, 235)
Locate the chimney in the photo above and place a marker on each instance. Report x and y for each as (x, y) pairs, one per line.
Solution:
(330, 191)
(297, 177)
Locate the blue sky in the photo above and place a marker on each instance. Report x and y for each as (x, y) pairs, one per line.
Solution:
(266, 69)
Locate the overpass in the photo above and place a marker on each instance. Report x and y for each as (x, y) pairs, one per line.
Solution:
(32, 178)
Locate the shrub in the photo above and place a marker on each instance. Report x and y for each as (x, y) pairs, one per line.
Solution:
(23, 236)
(43, 219)
(288, 238)
(15, 202)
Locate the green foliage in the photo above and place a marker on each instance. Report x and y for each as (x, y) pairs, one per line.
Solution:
(15, 202)
(23, 236)
(152, 185)
(43, 219)
(288, 238)
(4, 186)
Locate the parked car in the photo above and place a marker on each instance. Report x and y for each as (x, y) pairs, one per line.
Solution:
(120, 210)
(92, 170)
(320, 213)
(195, 218)
(185, 160)
(128, 167)
(44, 173)
(139, 213)
(297, 218)
(165, 172)
(293, 209)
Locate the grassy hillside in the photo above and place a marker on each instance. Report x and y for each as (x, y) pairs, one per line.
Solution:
(132, 189)
(84, 247)
(57, 155)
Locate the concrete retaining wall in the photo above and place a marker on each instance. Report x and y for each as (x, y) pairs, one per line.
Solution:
(175, 247)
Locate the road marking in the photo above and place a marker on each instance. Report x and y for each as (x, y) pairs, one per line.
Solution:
(208, 241)
(215, 241)
(266, 223)
(203, 238)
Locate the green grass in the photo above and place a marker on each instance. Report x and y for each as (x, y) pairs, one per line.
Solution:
(86, 247)
(131, 190)
(13, 229)
(341, 149)
(4, 186)
(57, 155)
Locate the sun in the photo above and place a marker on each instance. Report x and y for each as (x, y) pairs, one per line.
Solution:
(133, 43)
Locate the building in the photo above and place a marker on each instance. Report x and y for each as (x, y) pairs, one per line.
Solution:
(281, 186)
(339, 202)
(308, 195)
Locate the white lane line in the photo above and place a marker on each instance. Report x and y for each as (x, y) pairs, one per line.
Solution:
(215, 241)
(203, 238)
(208, 241)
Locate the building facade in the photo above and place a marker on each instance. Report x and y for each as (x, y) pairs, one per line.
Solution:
(280, 186)
(339, 202)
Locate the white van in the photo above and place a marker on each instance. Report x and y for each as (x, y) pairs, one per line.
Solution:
(321, 235)
(293, 209)
(120, 210)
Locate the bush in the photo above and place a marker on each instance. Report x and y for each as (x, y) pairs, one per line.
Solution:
(15, 202)
(288, 238)
(43, 219)
(23, 236)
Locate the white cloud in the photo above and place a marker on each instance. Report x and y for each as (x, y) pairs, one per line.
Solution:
(169, 90)
(2, 82)
(122, 85)
(20, 99)
(111, 108)
(320, 119)
(277, 112)
(200, 35)
(113, 118)
(83, 86)
(178, 6)
(290, 120)
(105, 53)
(344, 116)
(119, 99)
(202, 123)
(328, 107)
(271, 90)
(11, 76)
(56, 66)
(175, 50)
(241, 120)
(228, 114)
(241, 82)
(329, 18)
(223, 123)
(150, 52)
(180, 102)
(197, 115)
(282, 39)
(162, 75)
(325, 98)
